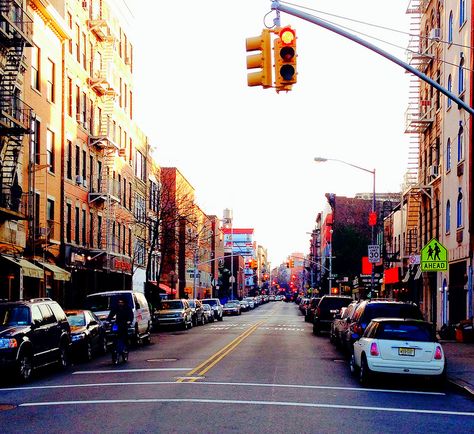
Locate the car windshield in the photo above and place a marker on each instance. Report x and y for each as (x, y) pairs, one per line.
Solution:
(392, 311)
(76, 319)
(400, 331)
(14, 315)
(206, 306)
(211, 302)
(172, 304)
(335, 303)
(101, 302)
(231, 304)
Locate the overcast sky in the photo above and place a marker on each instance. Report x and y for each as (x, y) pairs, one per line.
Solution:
(251, 149)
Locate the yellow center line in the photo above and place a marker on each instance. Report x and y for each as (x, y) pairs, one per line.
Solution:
(219, 355)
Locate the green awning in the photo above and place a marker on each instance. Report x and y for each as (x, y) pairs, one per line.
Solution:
(29, 269)
(58, 272)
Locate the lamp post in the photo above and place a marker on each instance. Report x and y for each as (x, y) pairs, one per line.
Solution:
(372, 224)
(228, 217)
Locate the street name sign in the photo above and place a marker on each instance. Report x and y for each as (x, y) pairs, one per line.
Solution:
(374, 253)
(434, 257)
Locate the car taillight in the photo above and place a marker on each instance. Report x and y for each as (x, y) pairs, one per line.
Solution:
(374, 350)
(356, 328)
(438, 353)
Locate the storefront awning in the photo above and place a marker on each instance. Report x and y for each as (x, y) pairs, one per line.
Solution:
(29, 269)
(166, 288)
(58, 272)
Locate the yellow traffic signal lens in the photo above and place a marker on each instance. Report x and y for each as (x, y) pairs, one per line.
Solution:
(287, 35)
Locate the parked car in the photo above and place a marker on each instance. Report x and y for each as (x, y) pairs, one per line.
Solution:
(174, 313)
(198, 312)
(102, 302)
(232, 308)
(244, 306)
(33, 334)
(311, 308)
(367, 310)
(341, 324)
(208, 313)
(398, 346)
(216, 307)
(251, 302)
(304, 302)
(88, 333)
(328, 307)
(271, 298)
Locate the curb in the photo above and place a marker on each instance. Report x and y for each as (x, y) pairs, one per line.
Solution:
(462, 386)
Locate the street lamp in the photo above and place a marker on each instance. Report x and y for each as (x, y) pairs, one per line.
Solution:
(372, 224)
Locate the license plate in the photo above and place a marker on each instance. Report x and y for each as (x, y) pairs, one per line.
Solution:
(406, 351)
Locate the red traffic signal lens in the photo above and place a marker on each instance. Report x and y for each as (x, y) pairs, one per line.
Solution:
(287, 53)
(287, 35)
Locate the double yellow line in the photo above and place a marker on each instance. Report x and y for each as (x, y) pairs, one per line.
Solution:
(200, 370)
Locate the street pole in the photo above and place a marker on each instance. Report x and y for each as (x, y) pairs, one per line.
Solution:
(330, 262)
(373, 233)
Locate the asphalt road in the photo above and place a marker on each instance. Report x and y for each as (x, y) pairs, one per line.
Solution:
(261, 372)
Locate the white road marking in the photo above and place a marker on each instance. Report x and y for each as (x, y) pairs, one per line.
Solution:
(119, 371)
(233, 402)
(218, 383)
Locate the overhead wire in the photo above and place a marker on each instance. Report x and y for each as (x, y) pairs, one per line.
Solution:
(382, 40)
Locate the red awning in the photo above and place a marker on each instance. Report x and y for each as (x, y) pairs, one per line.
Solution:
(391, 275)
(166, 288)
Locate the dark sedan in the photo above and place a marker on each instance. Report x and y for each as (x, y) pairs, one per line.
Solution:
(87, 333)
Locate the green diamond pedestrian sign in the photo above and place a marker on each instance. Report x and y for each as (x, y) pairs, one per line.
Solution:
(434, 257)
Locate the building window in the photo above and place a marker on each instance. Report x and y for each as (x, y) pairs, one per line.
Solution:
(78, 161)
(460, 143)
(99, 231)
(140, 166)
(50, 161)
(78, 103)
(68, 159)
(35, 141)
(50, 210)
(459, 219)
(462, 12)
(78, 43)
(461, 75)
(50, 84)
(91, 230)
(68, 222)
(450, 28)
(69, 21)
(69, 96)
(84, 165)
(448, 155)
(124, 203)
(84, 51)
(448, 217)
(76, 226)
(84, 223)
(35, 68)
(450, 89)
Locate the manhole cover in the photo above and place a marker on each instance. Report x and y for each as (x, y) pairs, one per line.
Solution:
(162, 360)
(5, 407)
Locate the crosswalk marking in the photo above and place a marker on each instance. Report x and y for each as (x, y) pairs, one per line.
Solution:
(241, 327)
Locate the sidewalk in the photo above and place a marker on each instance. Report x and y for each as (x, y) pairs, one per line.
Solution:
(460, 357)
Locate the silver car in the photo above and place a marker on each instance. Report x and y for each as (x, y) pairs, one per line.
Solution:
(174, 313)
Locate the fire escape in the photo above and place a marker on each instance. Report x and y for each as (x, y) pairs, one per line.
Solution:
(104, 189)
(15, 116)
(420, 116)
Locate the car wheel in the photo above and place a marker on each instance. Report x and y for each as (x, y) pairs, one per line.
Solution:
(316, 330)
(221, 318)
(25, 366)
(184, 326)
(63, 356)
(103, 345)
(364, 372)
(352, 364)
(203, 320)
(88, 351)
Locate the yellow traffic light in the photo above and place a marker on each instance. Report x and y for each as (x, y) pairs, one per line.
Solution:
(262, 60)
(292, 263)
(285, 59)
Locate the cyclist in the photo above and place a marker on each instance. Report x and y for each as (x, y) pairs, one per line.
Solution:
(123, 315)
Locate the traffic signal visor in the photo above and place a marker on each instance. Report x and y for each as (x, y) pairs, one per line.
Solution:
(262, 60)
(285, 59)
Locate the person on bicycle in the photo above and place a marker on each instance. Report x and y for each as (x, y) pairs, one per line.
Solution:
(123, 315)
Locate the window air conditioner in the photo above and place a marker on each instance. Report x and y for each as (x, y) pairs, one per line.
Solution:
(79, 180)
(435, 34)
(433, 171)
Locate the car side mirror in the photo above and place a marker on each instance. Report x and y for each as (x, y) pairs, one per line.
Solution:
(93, 322)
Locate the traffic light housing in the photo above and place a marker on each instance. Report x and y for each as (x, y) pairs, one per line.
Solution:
(292, 263)
(284, 48)
(261, 60)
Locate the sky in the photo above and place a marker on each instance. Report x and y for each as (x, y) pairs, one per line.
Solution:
(252, 150)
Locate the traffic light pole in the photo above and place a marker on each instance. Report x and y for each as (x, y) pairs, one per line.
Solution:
(276, 6)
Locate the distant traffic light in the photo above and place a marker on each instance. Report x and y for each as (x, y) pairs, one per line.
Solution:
(372, 218)
(287, 264)
(285, 59)
(292, 263)
(261, 60)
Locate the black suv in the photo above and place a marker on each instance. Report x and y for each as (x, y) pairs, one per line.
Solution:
(328, 307)
(367, 310)
(33, 333)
